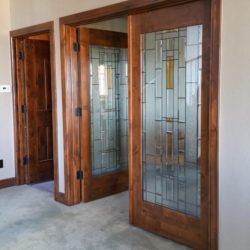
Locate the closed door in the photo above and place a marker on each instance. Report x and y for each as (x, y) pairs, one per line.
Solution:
(169, 79)
(104, 122)
(39, 143)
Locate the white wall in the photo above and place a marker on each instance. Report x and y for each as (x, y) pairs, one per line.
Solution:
(6, 111)
(30, 12)
(235, 127)
(117, 24)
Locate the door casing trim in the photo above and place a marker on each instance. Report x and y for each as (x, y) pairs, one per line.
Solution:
(15, 35)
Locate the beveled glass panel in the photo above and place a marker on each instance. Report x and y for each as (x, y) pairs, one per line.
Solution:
(171, 96)
(109, 109)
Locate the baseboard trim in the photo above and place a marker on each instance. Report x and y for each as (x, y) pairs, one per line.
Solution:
(7, 183)
(60, 197)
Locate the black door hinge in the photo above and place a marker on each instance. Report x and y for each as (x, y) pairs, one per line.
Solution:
(24, 108)
(26, 160)
(76, 46)
(21, 55)
(79, 175)
(78, 112)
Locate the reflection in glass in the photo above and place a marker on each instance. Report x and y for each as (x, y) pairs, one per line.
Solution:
(109, 109)
(171, 94)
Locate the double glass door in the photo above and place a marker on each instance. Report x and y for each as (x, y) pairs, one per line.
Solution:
(166, 142)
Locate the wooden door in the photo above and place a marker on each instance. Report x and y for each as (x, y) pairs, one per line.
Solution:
(169, 108)
(104, 121)
(39, 110)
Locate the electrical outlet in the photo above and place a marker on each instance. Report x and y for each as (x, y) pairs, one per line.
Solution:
(5, 89)
(1, 163)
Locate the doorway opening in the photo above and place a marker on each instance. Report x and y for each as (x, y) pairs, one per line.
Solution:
(35, 107)
(173, 114)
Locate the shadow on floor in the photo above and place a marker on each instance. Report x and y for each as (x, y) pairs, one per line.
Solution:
(47, 186)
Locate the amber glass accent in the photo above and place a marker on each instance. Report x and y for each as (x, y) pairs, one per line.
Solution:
(170, 72)
(109, 76)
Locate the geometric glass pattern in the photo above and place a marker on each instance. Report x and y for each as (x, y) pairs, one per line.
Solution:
(171, 114)
(109, 109)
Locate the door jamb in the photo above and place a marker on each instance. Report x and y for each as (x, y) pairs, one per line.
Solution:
(14, 36)
(68, 26)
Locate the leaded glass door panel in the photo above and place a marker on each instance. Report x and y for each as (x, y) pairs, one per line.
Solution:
(169, 67)
(171, 114)
(104, 124)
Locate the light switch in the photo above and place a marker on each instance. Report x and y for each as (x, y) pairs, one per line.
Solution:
(5, 89)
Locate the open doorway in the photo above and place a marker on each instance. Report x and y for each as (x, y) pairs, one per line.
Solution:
(172, 82)
(35, 126)
(95, 106)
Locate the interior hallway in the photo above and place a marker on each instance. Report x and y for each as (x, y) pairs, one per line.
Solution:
(31, 219)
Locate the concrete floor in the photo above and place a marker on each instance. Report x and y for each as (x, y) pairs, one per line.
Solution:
(31, 219)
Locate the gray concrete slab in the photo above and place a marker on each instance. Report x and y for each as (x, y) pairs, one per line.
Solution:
(31, 219)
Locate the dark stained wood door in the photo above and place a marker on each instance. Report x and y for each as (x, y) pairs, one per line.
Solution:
(39, 110)
(169, 65)
(93, 43)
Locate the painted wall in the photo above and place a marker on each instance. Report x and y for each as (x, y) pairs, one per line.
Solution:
(6, 111)
(235, 127)
(117, 24)
(40, 11)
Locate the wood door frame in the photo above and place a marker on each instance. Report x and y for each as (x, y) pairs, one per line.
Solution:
(68, 26)
(15, 37)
